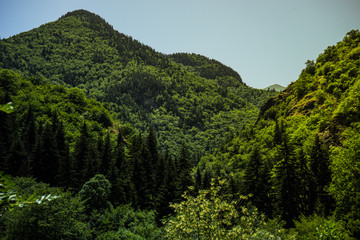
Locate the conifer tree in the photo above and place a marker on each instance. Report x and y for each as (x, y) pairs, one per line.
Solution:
(167, 190)
(284, 184)
(184, 179)
(138, 176)
(84, 158)
(62, 154)
(198, 180)
(319, 166)
(257, 181)
(119, 175)
(305, 184)
(29, 135)
(154, 170)
(16, 160)
(105, 155)
(45, 161)
(5, 136)
(206, 180)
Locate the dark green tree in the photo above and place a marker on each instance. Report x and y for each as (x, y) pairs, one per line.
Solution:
(257, 181)
(84, 158)
(319, 167)
(105, 155)
(16, 159)
(62, 155)
(45, 163)
(285, 183)
(306, 185)
(184, 179)
(96, 193)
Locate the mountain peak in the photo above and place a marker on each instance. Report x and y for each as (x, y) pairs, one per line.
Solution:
(80, 13)
(276, 87)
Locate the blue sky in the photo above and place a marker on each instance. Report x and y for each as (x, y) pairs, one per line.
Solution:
(265, 41)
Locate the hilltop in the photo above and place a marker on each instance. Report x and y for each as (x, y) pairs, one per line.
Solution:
(140, 86)
(128, 130)
(275, 87)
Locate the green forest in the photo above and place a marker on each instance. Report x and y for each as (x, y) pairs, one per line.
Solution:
(102, 137)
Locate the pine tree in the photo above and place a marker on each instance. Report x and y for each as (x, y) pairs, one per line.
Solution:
(106, 155)
(257, 181)
(285, 183)
(119, 175)
(29, 135)
(84, 159)
(305, 184)
(198, 180)
(155, 168)
(16, 160)
(278, 132)
(6, 132)
(62, 154)
(45, 165)
(138, 177)
(206, 180)
(184, 179)
(319, 166)
(167, 190)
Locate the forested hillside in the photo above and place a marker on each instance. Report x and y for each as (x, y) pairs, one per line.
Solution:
(102, 137)
(301, 157)
(140, 86)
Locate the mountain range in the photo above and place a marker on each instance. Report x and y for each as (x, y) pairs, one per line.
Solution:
(87, 99)
(185, 97)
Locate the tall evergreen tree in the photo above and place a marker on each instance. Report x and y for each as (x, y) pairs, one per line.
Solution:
(105, 155)
(284, 179)
(62, 154)
(198, 180)
(154, 168)
(29, 135)
(184, 179)
(6, 133)
(16, 159)
(257, 181)
(84, 159)
(319, 166)
(306, 186)
(119, 174)
(136, 153)
(45, 160)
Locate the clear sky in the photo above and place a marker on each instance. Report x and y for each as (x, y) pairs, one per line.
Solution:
(265, 41)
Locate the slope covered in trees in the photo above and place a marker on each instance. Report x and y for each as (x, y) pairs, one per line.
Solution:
(287, 170)
(60, 137)
(301, 156)
(141, 86)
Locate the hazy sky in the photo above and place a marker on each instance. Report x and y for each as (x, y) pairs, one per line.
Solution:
(265, 41)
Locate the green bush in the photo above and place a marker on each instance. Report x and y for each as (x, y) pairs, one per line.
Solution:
(317, 227)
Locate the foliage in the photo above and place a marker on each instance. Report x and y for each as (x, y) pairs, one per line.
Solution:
(345, 179)
(141, 86)
(317, 227)
(184, 119)
(126, 223)
(7, 108)
(210, 215)
(60, 218)
(307, 136)
(96, 192)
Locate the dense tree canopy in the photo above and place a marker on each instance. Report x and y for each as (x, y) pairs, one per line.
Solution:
(100, 133)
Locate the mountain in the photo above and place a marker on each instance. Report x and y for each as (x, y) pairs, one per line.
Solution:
(186, 98)
(276, 87)
(305, 142)
(292, 156)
